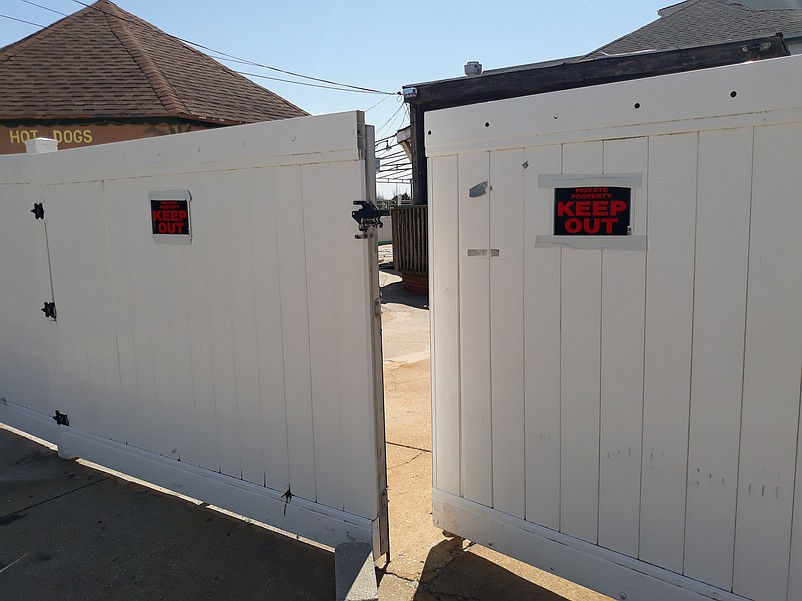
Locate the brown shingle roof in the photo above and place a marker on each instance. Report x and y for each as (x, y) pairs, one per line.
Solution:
(103, 62)
(699, 22)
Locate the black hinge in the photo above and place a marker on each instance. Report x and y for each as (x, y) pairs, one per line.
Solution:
(49, 310)
(38, 210)
(368, 216)
(61, 418)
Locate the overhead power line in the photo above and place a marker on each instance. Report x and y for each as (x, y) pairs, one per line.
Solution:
(10, 18)
(377, 104)
(52, 10)
(392, 119)
(300, 83)
(249, 62)
(333, 85)
(304, 83)
(386, 138)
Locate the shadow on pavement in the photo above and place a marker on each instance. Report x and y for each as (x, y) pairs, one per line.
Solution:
(454, 572)
(70, 532)
(396, 293)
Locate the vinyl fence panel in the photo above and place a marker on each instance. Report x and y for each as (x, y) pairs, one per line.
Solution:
(660, 401)
(215, 328)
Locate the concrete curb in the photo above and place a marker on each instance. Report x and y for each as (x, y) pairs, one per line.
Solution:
(355, 576)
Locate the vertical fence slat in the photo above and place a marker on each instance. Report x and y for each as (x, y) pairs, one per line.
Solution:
(411, 245)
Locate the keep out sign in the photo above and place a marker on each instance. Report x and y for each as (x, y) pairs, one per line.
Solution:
(170, 217)
(592, 211)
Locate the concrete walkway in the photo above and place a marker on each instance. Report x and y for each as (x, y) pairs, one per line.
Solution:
(70, 532)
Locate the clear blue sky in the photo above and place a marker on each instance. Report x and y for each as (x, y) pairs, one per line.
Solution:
(381, 45)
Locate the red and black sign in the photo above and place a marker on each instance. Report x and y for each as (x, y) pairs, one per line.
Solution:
(170, 217)
(593, 211)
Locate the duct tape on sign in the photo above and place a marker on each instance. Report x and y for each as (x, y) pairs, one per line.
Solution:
(169, 216)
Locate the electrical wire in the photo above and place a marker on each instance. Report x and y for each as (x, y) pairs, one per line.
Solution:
(391, 119)
(397, 162)
(395, 156)
(306, 83)
(383, 139)
(300, 83)
(230, 58)
(392, 153)
(22, 21)
(378, 103)
(394, 167)
(246, 61)
(73, 35)
(52, 10)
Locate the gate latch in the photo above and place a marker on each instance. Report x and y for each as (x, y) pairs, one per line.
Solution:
(38, 210)
(49, 310)
(368, 216)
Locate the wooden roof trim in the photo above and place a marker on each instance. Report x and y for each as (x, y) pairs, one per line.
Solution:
(587, 72)
(114, 120)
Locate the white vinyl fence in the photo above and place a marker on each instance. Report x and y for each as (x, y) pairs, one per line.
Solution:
(215, 328)
(624, 410)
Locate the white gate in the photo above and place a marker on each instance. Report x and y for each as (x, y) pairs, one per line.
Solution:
(212, 321)
(625, 410)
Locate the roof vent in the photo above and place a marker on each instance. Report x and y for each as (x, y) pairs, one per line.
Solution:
(473, 68)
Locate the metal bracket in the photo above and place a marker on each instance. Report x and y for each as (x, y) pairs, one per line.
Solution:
(38, 210)
(61, 418)
(754, 50)
(49, 310)
(368, 216)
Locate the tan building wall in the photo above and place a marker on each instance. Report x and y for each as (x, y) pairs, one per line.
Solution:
(12, 139)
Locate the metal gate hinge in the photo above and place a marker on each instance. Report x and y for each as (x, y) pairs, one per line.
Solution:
(38, 210)
(61, 418)
(368, 216)
(49, 310)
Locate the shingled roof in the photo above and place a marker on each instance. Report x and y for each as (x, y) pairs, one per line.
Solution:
(701, 22)
(103, 62)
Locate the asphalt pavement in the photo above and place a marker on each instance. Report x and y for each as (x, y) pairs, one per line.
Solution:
(70, 532)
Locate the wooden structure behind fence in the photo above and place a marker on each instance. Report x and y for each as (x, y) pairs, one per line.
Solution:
(411, 246)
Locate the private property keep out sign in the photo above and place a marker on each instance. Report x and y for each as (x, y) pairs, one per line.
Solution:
(593, 211)
(170, 217)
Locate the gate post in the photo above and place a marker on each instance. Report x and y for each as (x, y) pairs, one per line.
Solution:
(40, 145)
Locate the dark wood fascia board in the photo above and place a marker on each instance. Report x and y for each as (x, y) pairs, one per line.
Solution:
(525, 82)
(513, 83)
(104, 121)
(30, 120)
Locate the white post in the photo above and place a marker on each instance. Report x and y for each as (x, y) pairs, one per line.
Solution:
(40, 145)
